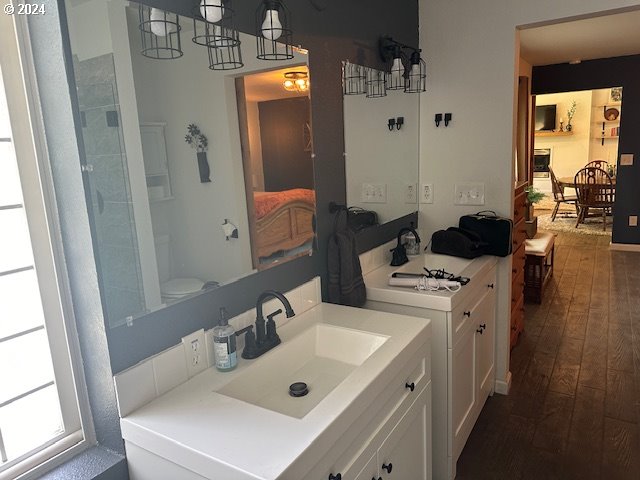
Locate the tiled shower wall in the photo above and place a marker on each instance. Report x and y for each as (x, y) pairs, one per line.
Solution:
(111, 203)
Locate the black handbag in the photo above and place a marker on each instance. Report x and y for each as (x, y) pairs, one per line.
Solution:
(359, 218)
(496, 231)
(457, 242)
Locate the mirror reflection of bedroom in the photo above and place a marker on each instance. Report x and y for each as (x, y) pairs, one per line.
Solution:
(274, 114)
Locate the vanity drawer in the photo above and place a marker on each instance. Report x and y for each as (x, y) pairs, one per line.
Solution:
(461, 316)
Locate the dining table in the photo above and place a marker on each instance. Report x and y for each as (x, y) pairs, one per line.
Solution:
(569, 182)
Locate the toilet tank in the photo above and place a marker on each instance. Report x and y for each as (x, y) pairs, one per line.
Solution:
(163, 257)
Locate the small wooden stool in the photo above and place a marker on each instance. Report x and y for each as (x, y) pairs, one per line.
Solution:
(538, 265)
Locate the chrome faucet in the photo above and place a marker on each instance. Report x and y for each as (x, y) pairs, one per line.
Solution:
(265, 337)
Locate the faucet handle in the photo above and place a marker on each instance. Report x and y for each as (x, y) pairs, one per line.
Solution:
(249, 342)
(277, 312)
(271, 325)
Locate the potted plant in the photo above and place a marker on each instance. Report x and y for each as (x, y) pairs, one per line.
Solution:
(197, 140)
(531, 221)
(570, 113)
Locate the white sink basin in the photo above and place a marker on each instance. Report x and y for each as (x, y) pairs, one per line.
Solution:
(454, 265)
(322, 357)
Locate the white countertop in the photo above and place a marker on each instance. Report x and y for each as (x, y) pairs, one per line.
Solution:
(224, 438)
(378, 288)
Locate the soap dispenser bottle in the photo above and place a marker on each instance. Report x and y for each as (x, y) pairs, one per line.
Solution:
(224, 344)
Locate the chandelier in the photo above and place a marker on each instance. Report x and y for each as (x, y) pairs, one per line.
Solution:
(296, 81)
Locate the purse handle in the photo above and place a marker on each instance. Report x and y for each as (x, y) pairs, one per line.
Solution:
(482, 213)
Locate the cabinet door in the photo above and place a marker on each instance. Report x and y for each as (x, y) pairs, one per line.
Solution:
(485, 315)
(154, 149)
(370, 471)
(406, 452)
(463, 389)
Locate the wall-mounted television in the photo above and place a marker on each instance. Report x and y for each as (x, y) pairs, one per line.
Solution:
(545, 117)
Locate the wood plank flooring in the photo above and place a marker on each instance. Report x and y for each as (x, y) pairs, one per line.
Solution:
(574, 407)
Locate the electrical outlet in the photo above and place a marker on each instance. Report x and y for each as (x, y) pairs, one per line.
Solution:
(469, 194)
(410, 193)
(374, 193)
(426, 193)
(195, 352)
(633, 220)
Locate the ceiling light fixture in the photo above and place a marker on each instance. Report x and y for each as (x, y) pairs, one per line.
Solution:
(354, 79)
(296, 81)
(273, 31)
(214, 28)
(411, 78)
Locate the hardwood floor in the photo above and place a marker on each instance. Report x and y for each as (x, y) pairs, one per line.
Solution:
(574, 407)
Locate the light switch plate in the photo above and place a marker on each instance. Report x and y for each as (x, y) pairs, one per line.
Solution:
(195, 351)
(469, 194)
(374, 193)
(633, 220)
(626, 159)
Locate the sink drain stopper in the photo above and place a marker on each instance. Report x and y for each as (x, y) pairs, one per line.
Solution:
(298, 389)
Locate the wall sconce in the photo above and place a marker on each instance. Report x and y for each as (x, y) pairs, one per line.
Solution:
(160, 33)
(273, 31)
(354, 79)
(376, 84)
(410, 78)
(213, 27)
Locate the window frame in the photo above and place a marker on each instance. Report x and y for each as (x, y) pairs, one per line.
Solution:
(29, 142)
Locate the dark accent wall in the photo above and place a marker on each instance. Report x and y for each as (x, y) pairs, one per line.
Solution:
(605, 73)
(285, 163)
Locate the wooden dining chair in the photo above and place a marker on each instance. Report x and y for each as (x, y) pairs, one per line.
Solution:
(559, 196)
(595, 190)
(602, 164)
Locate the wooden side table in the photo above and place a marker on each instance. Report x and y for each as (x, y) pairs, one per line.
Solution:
(538, 266)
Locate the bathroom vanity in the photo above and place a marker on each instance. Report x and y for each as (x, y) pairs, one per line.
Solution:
(367, 413)
(463, 345)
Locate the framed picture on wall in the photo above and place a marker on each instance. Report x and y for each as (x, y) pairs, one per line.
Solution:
(616, 94)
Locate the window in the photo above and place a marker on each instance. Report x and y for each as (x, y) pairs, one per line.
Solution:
(40, 421)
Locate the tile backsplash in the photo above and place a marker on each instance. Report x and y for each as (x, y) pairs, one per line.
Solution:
(160, 373)
(376, 257)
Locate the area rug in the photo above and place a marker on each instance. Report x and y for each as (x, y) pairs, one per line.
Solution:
(565, 222)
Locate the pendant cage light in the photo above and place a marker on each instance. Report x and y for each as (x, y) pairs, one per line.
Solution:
(213, 24)
(354, 79)
(376, 83)
(225, 58)
(273, 31)
(160, 33)
(396, 74)
(416, 79)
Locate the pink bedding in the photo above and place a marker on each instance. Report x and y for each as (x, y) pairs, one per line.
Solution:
(266, 202)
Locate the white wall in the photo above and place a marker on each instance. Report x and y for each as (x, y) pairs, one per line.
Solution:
(184, 91)
(376, 155)
(471, 53)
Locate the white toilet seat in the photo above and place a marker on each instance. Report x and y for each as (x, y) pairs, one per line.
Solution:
(180, 287)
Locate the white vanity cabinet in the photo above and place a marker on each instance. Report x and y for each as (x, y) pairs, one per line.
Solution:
(463, 351)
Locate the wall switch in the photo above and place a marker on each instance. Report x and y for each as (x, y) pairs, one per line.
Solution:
(469, 194)
(374, 193)
(411, 193)
(626, 159)
(195, 351)
(633, 220)
(426, 193)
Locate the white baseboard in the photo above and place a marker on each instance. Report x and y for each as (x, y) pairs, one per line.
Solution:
(624, 247)
(503, 386)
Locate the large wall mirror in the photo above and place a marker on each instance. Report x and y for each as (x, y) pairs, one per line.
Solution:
(195, 177)
(381, 137)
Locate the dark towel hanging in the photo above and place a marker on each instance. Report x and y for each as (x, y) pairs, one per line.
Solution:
(346, 285)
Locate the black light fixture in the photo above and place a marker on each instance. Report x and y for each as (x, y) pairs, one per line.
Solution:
(376, 83)
(416, 80)
(412, 77)
(160, 33)
(273, 31)
(213, 27)
(354, 79)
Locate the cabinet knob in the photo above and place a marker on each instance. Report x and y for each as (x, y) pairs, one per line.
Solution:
(490, 286)
(335, 477)
(388, 468)
(411, 386)
(467, 314)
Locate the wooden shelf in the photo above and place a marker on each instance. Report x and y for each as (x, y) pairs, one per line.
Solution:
(553, 134)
